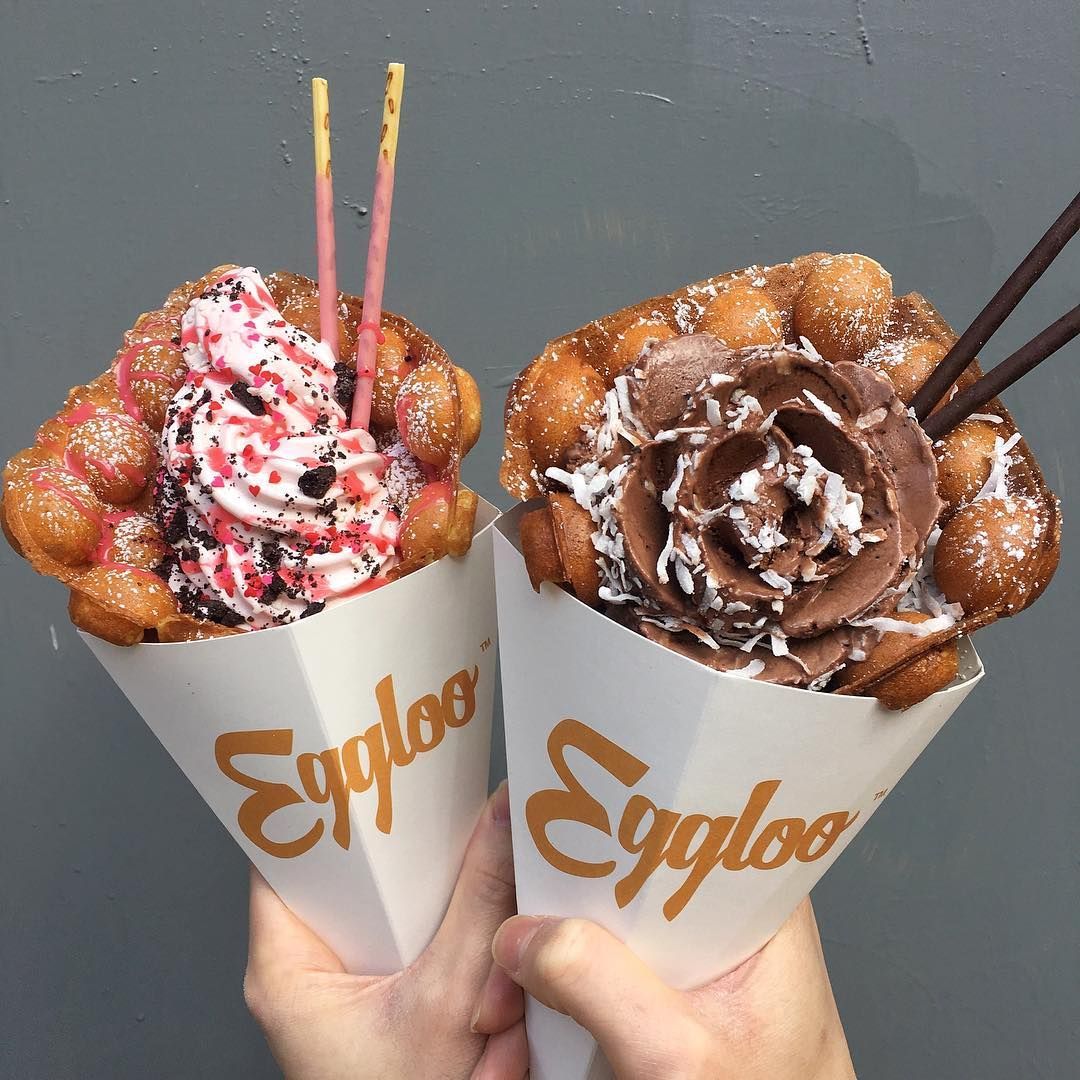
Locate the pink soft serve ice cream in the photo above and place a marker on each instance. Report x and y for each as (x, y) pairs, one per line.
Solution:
(272, 506)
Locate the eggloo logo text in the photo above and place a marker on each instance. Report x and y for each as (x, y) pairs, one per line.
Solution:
(330, 778)
(693, 844)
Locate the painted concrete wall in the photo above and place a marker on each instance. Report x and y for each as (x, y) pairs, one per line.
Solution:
(558, 160)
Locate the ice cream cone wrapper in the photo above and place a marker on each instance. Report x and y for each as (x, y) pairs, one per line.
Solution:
(686, 810)
(347, 753)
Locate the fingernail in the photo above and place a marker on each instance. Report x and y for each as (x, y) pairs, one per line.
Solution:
(512, 939)
(500, 805)
(481, 1001)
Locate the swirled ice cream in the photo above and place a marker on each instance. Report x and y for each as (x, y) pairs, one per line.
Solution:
(760, 509)
(273, 508)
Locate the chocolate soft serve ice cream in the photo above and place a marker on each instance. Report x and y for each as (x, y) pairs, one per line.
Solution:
(759, 509)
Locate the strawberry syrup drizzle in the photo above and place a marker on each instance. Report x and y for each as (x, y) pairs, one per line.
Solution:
(292, 351)
(108, 533)
(105, 522)
(85, 411)
(365, 587)
(125, 377)
(76, 464)
(401, 413)
(438, 491)
(44, 484)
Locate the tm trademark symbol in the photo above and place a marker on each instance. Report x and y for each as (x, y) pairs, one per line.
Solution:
(485, 644)
(880, 794)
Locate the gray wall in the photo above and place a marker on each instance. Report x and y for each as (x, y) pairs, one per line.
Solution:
(558, 160)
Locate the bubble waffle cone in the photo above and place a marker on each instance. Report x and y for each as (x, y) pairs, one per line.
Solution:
(79, 504)
(999, 542)
(346, 753)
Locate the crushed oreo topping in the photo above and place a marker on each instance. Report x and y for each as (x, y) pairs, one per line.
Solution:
(315, 483)
(254, 405)
(272, 553)
(216, 611)
(345, 386)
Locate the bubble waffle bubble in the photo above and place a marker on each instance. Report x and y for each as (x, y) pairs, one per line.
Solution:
(999, 536)
(79, 504)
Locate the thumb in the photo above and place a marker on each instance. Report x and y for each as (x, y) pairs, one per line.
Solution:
(645, 1028)
(280, 950)
(278, 941)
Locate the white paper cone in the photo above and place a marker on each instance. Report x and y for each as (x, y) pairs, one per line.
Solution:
(298, 710)
(634, 730)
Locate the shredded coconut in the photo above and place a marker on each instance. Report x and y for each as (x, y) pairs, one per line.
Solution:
(665, 556)
(830, 414)
(744, 404)
(745, 489)
(1000, 463)
(748, 671)
(776, 581)
(898, 626)
(671, 492)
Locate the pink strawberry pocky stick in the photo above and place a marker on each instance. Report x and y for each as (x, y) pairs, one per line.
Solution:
(370, 334)
(325, 246)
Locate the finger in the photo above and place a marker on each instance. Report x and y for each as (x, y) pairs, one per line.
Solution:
(506, 1056)
(278, 940)
(483, 898)
(501, 1004)
(579, 969)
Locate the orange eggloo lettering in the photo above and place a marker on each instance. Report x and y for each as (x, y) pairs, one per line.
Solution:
(827, 829)
(267, 796)
(400, 752)
(692, 843)
(332, 776)
(323, 781)
(650, 846)
(573, 802)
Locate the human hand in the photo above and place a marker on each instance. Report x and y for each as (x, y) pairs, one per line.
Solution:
(772, 1018)
(325, 1024)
